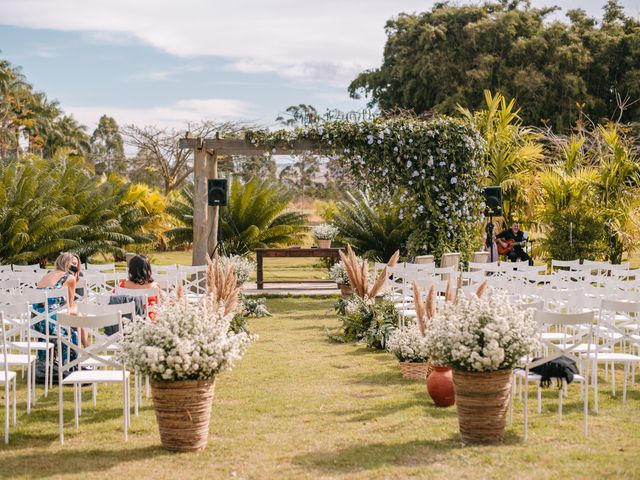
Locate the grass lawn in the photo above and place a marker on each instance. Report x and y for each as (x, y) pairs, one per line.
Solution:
(299, 406)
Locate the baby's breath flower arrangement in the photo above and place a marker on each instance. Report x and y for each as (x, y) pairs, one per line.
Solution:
(242, 267)
(187, 341)
(481, 334)
(338, 274)
(324, 231)
(408, 344)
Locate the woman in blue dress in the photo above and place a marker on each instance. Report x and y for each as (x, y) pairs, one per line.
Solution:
(65, 274)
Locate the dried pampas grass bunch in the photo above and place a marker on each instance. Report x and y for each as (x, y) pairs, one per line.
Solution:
(222, 286)
(358, 273)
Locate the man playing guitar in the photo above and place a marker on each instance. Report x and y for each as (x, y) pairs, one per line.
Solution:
(510, 243)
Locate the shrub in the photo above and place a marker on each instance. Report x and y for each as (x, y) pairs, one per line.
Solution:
(367, 321)
(576, 234)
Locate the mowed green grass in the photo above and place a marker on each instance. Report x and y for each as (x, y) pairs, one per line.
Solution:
(300, 406)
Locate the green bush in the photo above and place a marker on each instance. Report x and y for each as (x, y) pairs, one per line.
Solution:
(368, 322)
(576, 234)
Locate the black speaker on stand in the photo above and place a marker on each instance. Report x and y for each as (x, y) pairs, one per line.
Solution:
(218, 192)
(493, 208)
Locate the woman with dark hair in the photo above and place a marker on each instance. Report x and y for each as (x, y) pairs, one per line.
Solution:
(140, 278)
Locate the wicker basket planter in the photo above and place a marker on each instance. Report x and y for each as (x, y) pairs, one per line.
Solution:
(324, 243)
(183, 411)
(345, 290)
(415, 370)
(482, 400)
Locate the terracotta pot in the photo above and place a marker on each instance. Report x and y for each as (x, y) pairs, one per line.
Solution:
(183, 411)
(440, 386)
(324, 243)
(483, 402)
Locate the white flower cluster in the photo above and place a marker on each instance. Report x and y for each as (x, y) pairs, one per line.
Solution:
(187, 342)
(338, 273)
(242, 266)
(408, 344)
(481, 335)
(324, 231)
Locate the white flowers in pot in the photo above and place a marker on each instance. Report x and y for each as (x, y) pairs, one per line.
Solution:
(481, 334)
(338, 274)
(242, 267)
(408, 344)
(324, 231)
(187, 341)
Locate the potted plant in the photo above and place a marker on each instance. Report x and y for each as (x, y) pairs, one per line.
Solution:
(182, 351)
(339, 275)
(482, 339)
(324, 233)
(408, 344)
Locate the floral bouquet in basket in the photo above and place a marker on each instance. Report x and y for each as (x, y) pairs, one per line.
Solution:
(408, 344)
(481, 334)
(182, 351)
(187, 341)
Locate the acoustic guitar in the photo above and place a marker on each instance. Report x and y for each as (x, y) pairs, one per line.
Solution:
(509, 245)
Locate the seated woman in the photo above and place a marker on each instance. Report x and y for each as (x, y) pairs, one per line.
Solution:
(140, 278)
(65, 274)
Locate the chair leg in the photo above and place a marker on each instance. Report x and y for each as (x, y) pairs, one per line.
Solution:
(75, 405)
(61, 412)
(560, 390)
(624, 382)
(594, 373)
(15, 401)
(46, 371)
(29, 389)
(7, 406)
(613, 380)
(125, 410)
(34, 391)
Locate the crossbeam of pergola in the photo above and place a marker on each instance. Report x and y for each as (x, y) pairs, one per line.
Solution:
(205, 165)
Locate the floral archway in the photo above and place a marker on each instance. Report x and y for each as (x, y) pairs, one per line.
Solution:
(436, 165)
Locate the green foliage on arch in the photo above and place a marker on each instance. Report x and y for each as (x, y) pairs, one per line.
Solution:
(436, 165)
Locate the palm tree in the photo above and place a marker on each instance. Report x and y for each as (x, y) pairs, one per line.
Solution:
(513, 153)
(256, 216)
(374, 231)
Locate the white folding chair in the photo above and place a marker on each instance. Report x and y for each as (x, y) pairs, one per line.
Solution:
(77, 378)
(613, 338)
(16, 328)
(7, 377)
(570, 346)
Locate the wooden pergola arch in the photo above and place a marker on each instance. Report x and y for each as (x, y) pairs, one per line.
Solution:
(205, 163)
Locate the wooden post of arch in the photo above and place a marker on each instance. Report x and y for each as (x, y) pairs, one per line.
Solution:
(205, 159)
(200, 204)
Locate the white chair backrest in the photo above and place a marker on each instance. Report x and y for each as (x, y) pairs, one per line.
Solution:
(5, 268)
(480, 265)
(520, 265)
(138, 292)
(573, 338)
(100, 309)
(480, 257)
(34, 268)
(568, 264)
(101, 267)
(102, 342)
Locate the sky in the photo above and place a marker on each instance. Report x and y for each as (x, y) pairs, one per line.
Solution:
(164, 63)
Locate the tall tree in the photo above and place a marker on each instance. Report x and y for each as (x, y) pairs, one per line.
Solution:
(107, 147)
(159, 156)
(556, 71)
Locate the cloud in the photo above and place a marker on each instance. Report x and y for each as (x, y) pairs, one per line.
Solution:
(162, 75)
(326, 42)
(175, 115)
